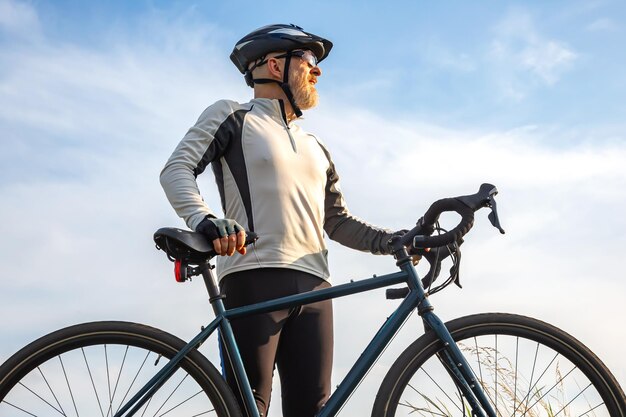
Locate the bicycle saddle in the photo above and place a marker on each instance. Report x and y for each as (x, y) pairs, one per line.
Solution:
(184, 245)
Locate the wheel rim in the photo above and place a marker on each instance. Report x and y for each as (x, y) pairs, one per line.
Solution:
(96, 380)
(521, 377)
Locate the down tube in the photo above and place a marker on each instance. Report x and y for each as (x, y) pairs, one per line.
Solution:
(166, 372)
(369, 356)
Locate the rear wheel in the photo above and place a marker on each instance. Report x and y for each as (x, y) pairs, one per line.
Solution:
(526, 367)
(92, 369)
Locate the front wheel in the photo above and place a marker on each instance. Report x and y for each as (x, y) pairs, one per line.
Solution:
(526, 368)
(92, 369)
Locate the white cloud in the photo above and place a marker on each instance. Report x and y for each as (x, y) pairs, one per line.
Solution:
(88, 130)
(441, 56)
(19, 19)
(562, 210)
(546, 60)
(522, 58)
(85, 133)
(603, 24)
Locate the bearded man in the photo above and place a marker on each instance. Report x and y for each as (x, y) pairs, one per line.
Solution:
(279, 181)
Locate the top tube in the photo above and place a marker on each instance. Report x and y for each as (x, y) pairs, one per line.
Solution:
(319, 295)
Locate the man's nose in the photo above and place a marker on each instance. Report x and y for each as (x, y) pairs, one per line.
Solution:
(317, 71)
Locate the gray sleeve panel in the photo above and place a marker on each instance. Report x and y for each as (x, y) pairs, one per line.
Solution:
(343, 227)
(178, 177)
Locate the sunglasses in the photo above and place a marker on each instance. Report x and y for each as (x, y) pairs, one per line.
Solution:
(306, 55)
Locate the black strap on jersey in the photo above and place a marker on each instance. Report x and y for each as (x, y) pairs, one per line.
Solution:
(284, 84)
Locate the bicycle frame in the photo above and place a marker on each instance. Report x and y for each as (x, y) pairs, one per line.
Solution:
(451, 358)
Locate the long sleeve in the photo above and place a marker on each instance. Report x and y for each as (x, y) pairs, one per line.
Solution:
(343, 227)
(194, 153)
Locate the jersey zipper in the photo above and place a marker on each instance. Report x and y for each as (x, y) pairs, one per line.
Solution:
(287, 129)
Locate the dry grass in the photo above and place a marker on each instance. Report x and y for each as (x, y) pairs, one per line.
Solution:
(511, 395)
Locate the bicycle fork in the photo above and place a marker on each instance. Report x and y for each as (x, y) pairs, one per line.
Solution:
(451, 356)
(457, 366)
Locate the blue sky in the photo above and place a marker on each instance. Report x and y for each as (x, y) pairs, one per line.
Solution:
(487, 64)
(418, 101)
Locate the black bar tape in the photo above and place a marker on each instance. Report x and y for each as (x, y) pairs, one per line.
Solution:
(432, 215)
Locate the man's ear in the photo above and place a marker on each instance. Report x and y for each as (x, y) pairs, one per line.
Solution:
(274, 68)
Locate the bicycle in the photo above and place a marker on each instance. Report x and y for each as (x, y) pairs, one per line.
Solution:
(492, 364)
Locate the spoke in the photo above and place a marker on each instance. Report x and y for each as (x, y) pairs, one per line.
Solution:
(572, 400)
(181, 403)
(117, 382)
(51, 391)
(92, 383)
(106, 361)
(591, 409)
(515, 384)
(147, 405)
(586, 400)
(429, 402)
(495, 393)
(421, 410)
(557, 383)
(551, 388)
(460, 380)
(537, 381)
(438, 386)
(530, 383)
(42, 399)
(67, 381)
(203, 413)
(480, 370)
(170, 396)
(21, 409)
(133, 382)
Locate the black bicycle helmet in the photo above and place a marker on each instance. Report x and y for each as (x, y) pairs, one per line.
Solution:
(276, 38)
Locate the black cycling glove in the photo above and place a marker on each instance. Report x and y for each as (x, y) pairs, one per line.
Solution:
(387, 239)
(214, 228)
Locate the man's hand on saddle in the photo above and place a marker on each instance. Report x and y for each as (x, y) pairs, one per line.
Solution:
(227, 235)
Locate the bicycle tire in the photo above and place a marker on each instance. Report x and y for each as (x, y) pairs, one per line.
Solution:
(542, 380)
(91, 369)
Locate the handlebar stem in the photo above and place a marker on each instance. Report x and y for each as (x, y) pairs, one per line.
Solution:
(402, 256)
(398, 250)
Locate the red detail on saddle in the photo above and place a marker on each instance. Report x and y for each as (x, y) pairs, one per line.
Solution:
(178, 268)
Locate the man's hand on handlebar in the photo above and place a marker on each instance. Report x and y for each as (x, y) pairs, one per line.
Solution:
(416, 256)
(227, 235)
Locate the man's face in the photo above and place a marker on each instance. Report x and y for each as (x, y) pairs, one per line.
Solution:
(302, 78)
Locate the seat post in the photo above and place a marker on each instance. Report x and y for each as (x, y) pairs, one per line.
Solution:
(215, 297)
(228, 342)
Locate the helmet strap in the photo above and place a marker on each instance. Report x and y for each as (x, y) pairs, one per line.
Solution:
(284, 84)
(286, 89)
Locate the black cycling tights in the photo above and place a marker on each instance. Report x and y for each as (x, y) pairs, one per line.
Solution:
(299, 340)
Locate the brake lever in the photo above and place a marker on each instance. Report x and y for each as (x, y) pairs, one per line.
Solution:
(485, 197)
(493, 216)
(435, 257)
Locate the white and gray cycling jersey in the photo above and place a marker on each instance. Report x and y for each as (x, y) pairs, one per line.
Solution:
(274, 179)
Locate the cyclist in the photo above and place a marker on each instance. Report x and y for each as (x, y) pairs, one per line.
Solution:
(279, 181)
